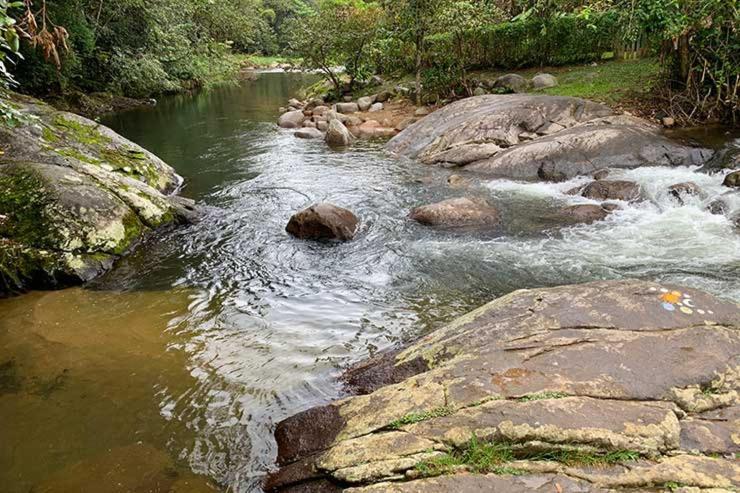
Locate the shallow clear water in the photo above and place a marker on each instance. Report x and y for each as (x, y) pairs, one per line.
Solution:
(177, 364)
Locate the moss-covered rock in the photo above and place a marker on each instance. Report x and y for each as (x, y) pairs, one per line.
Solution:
(74, 196)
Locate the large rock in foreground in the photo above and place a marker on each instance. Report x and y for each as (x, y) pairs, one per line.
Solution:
(533, 390)
(525, 136)
(75, 196)
(323, 221)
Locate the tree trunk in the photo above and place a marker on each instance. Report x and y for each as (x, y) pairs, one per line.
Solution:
(419, 43)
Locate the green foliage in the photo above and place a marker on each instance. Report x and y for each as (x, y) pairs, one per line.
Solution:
(700, 42)
(496, 457)
(337, 34)
(141, 48)
(559, 40)
(610, 82)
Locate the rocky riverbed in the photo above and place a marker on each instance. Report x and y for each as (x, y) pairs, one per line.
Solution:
(74, 197)
(608, 386)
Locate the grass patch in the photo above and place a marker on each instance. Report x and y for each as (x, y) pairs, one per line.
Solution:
(479, 457)
(578, 458)
(539, 396)
(496, 458)
(609, 82)
(412, 418)
(672, 485)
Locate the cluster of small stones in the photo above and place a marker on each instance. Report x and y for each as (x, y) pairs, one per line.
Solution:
(313, 118)
(642, 374)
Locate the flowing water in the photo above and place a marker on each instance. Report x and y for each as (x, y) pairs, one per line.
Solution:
(169, 373)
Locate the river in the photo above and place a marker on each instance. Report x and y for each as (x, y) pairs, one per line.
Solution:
(170, 372)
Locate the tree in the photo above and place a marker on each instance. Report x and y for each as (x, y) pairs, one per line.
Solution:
(335, 37)
(700, 47)
(458, 19)
(413, 21)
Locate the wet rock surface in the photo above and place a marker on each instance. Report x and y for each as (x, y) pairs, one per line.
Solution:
(337, 134)
(538, 137)
(620, 385)
(323, 221)
(457, 213)
(609, 190)
(74, 197)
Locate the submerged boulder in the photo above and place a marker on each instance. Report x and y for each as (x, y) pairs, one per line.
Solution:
(544, 383)
(609, 190)
(457, 213)
(323, 221)
(540, 137)
(581, 214)
(74, 197)
(309, 133)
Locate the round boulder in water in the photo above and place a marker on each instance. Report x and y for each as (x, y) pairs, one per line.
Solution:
(337, 134)
(457, 213)
(732, 180)
(291, 119)
(323, 221)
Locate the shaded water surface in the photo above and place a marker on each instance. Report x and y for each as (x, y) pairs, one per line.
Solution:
(172, 369)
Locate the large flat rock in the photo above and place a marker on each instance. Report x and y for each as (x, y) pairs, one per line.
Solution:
(637, 375)
(526, 136)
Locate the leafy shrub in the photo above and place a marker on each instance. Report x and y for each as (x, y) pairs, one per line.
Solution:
(139, 76)
(557, 40)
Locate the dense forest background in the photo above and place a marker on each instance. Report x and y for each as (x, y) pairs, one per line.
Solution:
(141, 48)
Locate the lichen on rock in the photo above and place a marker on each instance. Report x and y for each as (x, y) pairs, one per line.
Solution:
(584, 385)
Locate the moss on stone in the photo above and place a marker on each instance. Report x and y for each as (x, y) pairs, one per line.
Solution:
(75, 154)
(131, 162)
(85, 134)
(132, 231)
(24, 201)
(21, 266)
(49, 136)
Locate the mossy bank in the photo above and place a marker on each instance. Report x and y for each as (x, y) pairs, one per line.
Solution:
(74, 197)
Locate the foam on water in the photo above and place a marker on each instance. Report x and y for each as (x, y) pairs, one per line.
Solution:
(656, 238)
